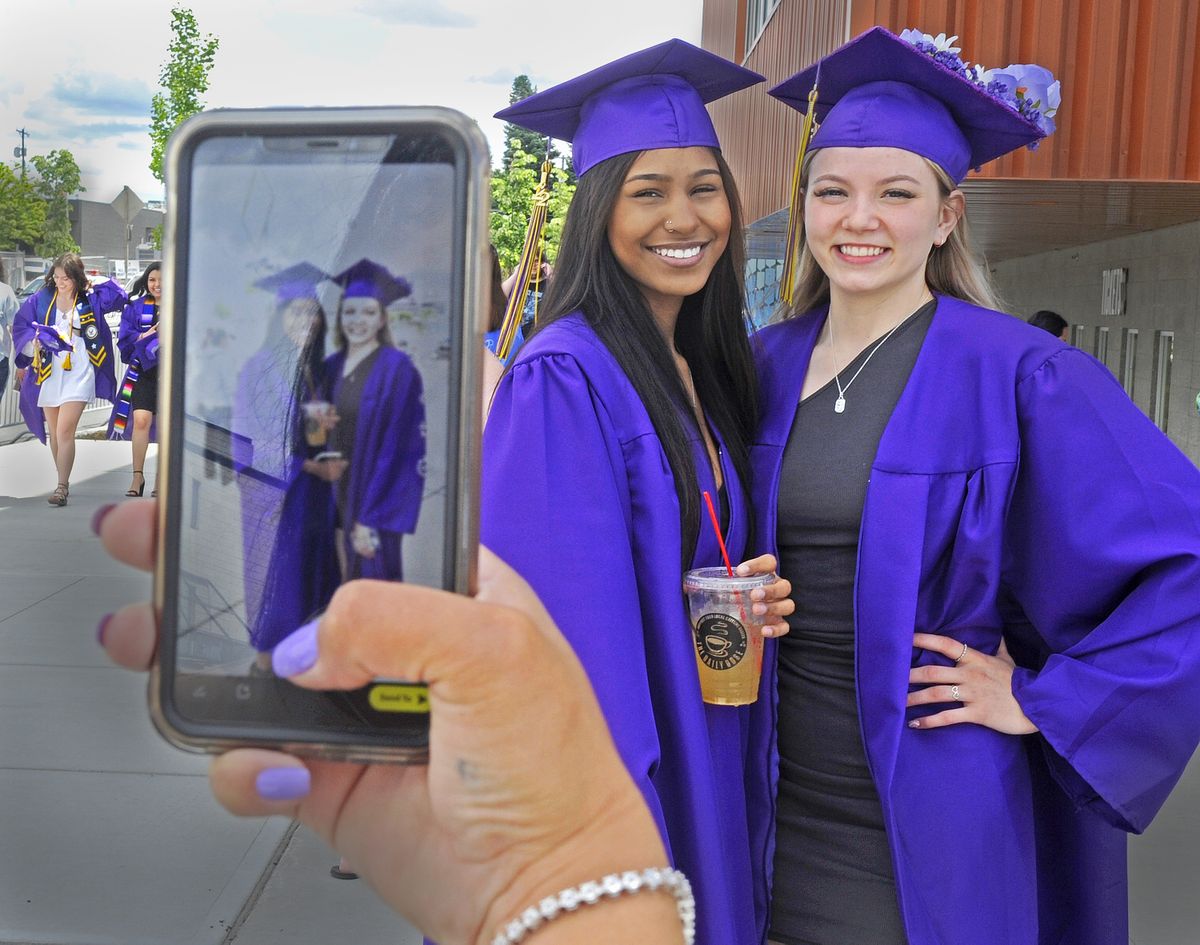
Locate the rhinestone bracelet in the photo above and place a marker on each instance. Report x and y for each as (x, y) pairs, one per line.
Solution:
(610, 887)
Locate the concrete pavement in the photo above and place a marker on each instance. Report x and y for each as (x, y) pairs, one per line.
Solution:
(108, 834)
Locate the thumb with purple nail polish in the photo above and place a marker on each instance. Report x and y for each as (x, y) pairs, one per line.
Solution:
(297, 652)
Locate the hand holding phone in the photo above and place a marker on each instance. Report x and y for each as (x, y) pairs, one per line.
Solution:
(579, 811)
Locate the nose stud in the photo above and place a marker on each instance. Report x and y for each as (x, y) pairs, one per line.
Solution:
(670, 228)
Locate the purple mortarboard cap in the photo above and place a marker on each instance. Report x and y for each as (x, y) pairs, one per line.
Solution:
(646, 100)
(879, 91)
(366, 279)
(296, 282)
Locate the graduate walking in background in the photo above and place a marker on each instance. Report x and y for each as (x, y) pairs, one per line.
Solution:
(65, 354)
(136, 406)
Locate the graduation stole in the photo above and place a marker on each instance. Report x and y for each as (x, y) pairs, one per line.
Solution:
(43, 360)
(146, 319)
(92, 341)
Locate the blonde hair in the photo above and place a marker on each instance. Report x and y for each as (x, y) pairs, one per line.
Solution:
(954, 268)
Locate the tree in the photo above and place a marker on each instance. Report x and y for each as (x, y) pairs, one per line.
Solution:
(22, 212)
(56, 180)
(184, 79)
(531, 142)
(512, 202)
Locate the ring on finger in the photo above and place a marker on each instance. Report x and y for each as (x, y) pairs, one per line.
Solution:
(955, 694)
(960, 656)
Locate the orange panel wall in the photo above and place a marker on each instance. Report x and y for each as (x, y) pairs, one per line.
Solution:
(1129, 69)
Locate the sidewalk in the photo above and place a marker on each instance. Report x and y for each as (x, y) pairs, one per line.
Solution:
(109, 834)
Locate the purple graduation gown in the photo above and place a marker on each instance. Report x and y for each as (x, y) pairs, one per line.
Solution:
(1016, 493)
(579, 499)
(132, 346)
(387, 467)
(104, 297)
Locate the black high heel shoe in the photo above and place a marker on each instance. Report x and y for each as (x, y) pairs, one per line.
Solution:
(140, 489)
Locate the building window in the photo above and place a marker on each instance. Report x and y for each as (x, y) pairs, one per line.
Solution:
(1101, 351)
(1129, 339)
(1079, 336)
(758, 14)
(1112, 291)
(1160, 384)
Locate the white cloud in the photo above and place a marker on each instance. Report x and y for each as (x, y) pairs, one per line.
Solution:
(100, 94)
(417, 13)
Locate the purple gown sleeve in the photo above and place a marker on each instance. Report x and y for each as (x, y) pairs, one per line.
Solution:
(22, 329)
(107, 297)
(556, 507)
(1103, 535)
(392, 445)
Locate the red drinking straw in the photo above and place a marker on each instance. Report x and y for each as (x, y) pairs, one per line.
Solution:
(712, 514)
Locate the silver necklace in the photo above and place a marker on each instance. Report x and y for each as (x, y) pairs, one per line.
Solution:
(839, 405)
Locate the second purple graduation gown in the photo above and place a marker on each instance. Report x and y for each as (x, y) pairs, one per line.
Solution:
(140, 355)
(387, 467)
(579, 499)
(104, 297)
(1017, 493)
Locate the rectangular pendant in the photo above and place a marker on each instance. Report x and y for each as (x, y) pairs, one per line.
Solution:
(839, 405)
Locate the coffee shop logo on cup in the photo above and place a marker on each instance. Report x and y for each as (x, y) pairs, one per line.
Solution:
(720, 641)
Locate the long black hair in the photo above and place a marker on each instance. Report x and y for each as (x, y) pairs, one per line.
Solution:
(142, 285)
(711, 333)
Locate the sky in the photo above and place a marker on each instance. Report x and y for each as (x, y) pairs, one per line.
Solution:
(92, 97)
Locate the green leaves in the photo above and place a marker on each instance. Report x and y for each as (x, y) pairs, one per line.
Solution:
(57, 179)
(512, 202)
(22, 211)
(184, 80)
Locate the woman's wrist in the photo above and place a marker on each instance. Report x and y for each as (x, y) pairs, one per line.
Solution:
(649, 918)
(621, 837)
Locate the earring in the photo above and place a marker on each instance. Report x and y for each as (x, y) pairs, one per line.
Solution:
(670, 228)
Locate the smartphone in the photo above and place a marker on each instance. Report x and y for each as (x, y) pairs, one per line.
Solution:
(325, 295)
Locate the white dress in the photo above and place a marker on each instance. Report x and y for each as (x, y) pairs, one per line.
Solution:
(77, 384)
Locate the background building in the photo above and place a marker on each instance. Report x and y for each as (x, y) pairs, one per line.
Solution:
(1101, 223)
(100, 231)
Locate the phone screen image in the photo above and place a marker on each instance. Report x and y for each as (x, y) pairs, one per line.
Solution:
(316, 413)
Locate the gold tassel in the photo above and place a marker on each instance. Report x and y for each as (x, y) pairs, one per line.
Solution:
(67, 361)
(792, 248)
(531, 262)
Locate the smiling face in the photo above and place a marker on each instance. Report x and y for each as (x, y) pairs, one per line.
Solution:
(871, 217)
(681, 186)
(154, 284)
(362, 320)
(64, 285)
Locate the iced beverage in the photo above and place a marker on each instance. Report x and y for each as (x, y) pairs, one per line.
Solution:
(316, 432)
(727, 635)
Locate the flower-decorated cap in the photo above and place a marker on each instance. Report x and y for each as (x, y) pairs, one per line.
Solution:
(296, 282)
(913, 92)
(649, 99)
(367, 279)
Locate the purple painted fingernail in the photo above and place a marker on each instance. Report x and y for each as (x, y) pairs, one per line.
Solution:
(99, 515)
(282, 784)
(102, 628)
(297, 652)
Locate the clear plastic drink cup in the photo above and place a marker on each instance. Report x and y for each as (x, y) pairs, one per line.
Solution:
(727, 634)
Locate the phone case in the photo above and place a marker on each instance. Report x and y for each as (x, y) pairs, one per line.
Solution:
(472, 168)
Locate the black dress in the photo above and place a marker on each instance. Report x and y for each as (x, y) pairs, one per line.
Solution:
(833, 882)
